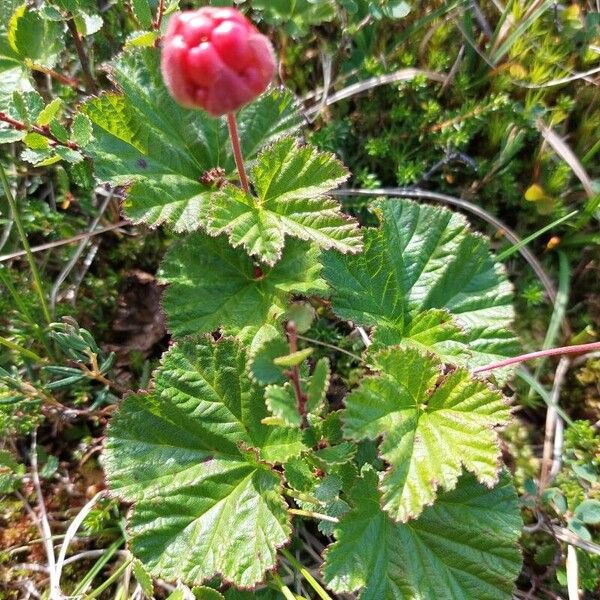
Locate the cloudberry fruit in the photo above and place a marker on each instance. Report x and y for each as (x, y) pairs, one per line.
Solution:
(215, 59)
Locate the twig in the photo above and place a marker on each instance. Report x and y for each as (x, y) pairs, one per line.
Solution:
(90, 84)
(73, 260)
(41, 130)
(579, 349)
(70, 81)
(572, 573)
(57, 243)
(331, 346)
(306, 574)
(566, 535)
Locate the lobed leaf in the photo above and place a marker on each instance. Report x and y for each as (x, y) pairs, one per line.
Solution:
(463, 547)
(425, 280)
(431, 425)
(164, 152)
(188, 455)
(291, 183)
(212, 285)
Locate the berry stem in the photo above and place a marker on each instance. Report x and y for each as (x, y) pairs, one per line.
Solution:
(237, 151)
(579, 349)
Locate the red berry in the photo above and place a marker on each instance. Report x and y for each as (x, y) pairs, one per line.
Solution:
(215, 59)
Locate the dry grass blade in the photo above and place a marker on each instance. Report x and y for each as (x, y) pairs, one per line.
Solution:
(373, 82)
(66, 241)
(562, 149)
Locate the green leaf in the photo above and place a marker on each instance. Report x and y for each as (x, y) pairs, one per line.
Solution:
(59, 132)
(463, 547)
(282, 403)
(205, 503)
(425, 280)
(318, 386)
(49, 112)
(81, 130)
(36, 141)
(26, 106)
(577, 526)
(396, 9)
(261, 365)
(302, 314)
(87, 24)
(211, 285)
(143, 138)
(297, 17)
(144, 39)
(206, 593)
(588, 512)
(143, 578)
(141, 10)
(431, 425)
(291, 183)
(8, 136)
(294, 359)
(35, 38)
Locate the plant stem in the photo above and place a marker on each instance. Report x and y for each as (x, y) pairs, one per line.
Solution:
(284, 589)
(90, 84)
(579, 349)
(301, 496)
(95, 593)
(45, 131)
(237, 151)
(159, 14)
(306, 574)
(37, 282)
(294, 373)
(70, 81)
(21, 350)
(313, 515)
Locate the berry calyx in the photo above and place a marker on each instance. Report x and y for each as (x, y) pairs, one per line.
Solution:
(215, 59)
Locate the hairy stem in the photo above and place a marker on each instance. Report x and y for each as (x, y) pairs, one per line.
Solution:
(579, 349)
(237, 151)
(44, 130)
(294, 373)
(90, 84)
(159, 14)
(37, 281)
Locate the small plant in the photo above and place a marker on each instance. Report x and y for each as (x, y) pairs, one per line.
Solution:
(240, 443)
(319, 371)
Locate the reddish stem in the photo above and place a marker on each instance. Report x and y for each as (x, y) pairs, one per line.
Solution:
(44, 130)
(294, 373)
(70, 81)
(159, 14)
(237, 151)
(579, 349)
